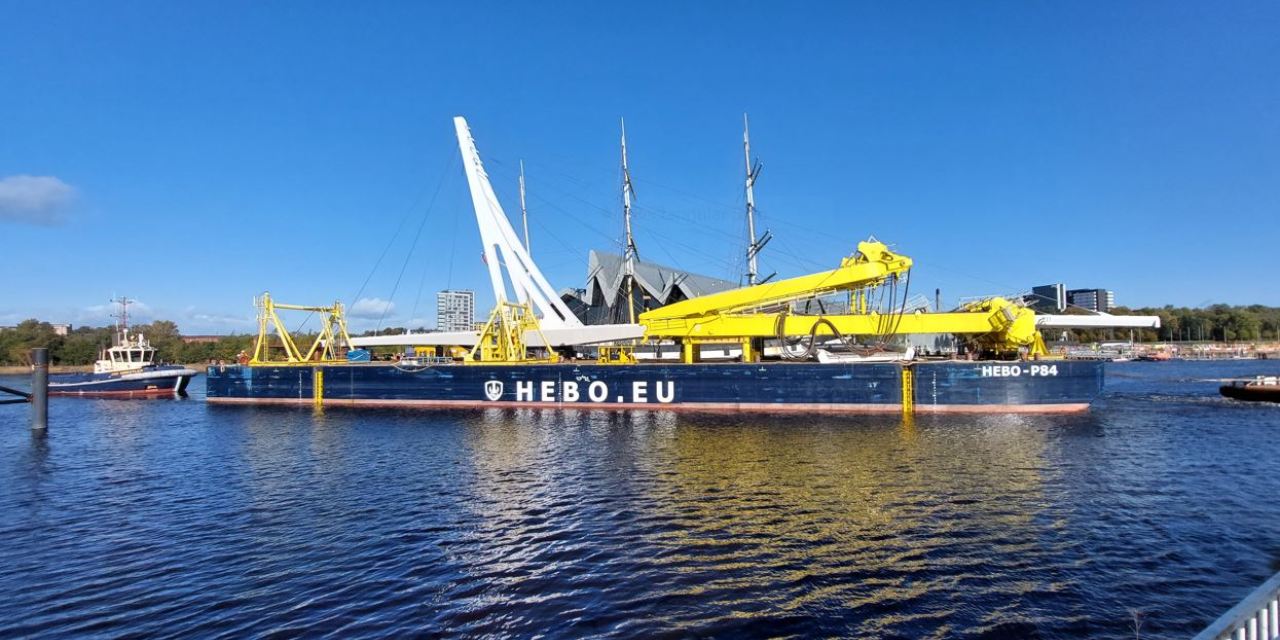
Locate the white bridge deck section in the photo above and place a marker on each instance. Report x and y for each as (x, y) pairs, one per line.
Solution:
(601, 333)
(1100, 321)
(557, 336)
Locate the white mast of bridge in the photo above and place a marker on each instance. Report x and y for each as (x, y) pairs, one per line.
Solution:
(508, 260)
(502, 247)
(524, 211)
(629, 254)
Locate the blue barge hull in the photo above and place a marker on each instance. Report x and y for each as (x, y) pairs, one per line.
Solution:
(958, 386)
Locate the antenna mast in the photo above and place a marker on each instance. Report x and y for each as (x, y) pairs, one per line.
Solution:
(753, 171)
(524, 212)
(122, 319)
(629, 254)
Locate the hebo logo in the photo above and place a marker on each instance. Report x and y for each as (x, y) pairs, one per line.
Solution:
(595, 391)
(493, 389)
(1017, 370)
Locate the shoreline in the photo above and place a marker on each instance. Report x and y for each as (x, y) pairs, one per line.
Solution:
(25, 369)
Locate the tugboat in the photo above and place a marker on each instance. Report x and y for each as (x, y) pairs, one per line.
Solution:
(125, 370)
(1260, 389)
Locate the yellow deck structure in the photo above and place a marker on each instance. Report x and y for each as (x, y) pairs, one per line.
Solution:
(330, 344)
(751, 314)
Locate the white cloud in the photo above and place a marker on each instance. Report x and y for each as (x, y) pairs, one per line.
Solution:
(139, 312)
(220, 320)
(370, 308)
(414, 323)
(42, 200)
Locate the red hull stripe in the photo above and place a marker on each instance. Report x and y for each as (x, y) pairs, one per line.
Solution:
(165, 391)
(726, 407)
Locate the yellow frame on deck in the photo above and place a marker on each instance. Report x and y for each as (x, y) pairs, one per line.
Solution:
(324, 349)
(501, 340)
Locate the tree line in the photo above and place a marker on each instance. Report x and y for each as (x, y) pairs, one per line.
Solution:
(1215, 323)
(84, 344)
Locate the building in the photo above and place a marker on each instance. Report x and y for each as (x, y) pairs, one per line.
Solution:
(1099, 300)
(1047, 298)
(456, 310)
(604, 300)
(61, 329)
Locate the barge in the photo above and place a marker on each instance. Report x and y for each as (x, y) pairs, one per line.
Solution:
(770, 387)
(529, 352)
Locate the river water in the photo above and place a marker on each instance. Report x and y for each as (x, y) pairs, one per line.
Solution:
(1157, 509)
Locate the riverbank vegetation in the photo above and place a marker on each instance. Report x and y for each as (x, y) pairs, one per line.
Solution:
(1215, 323)
(83, 344)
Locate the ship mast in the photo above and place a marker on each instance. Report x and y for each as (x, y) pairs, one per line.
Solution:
(629, 255)
(122, 319)
(753, 171)
(524, 212)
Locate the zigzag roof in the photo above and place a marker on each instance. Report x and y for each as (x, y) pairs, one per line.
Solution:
(658, 281)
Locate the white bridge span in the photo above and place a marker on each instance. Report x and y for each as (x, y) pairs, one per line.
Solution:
(512, 274)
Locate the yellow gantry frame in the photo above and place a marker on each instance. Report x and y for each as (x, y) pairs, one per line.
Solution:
(743, 315)
(333, 334)
(502, 338)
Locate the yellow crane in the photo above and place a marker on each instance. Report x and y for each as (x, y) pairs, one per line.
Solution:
(750, 315)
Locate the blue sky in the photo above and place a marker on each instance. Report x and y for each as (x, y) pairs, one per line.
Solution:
(191, 155)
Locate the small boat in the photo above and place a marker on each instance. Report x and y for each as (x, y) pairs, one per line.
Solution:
(1260, 389)
(125, 370)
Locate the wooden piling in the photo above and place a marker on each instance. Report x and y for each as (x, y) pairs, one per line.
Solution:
(39, 388)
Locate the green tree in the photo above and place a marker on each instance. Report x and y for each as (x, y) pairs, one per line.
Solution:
(165, 337)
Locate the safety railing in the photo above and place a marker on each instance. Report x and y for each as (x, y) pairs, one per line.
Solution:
(1257, 617)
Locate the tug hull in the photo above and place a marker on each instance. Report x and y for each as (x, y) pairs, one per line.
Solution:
(947, 386)
(153, 381)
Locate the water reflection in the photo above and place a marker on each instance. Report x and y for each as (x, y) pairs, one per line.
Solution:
(797, 512)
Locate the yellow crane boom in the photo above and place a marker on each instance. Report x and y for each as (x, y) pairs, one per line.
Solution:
(871, 266)
(751, 314)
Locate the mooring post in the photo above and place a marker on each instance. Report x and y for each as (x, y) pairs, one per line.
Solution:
(39, 388)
